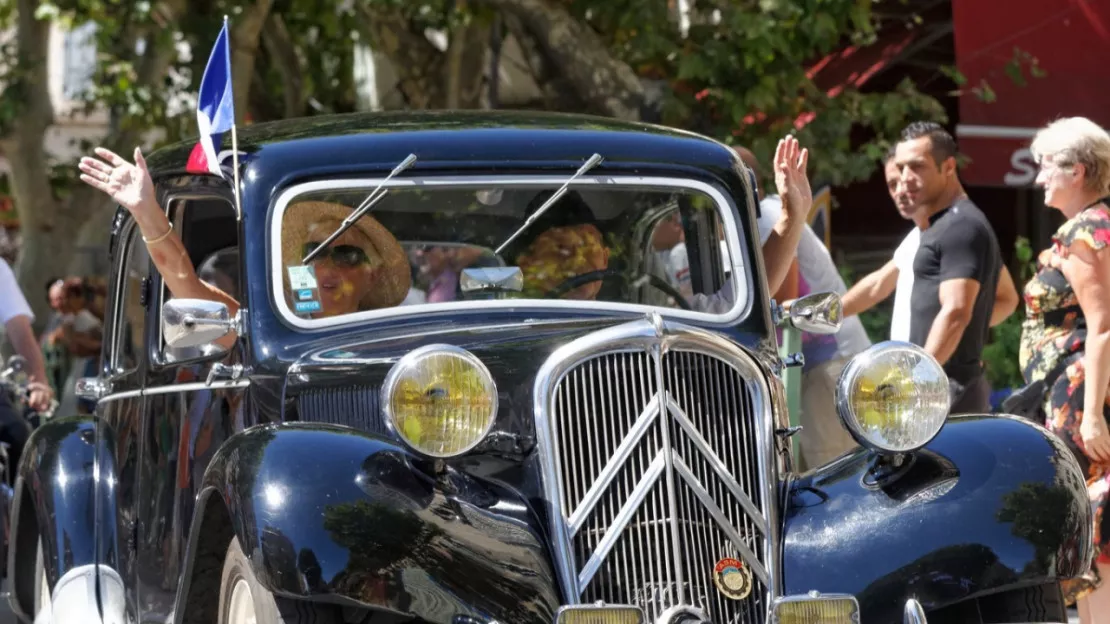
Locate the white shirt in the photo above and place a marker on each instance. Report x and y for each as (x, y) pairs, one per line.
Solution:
(676, 264)
(819, 271)
(83, 322)
(12, 301)
(903, 290)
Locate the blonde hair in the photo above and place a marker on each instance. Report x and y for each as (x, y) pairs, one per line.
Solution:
(1075, 141)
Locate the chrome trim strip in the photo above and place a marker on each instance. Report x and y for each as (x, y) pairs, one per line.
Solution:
(119, 396)
(668, 453)
(718, 466)
(913, 613)
(226, 384)
(641, 336)
(728, 210)
(719, 515)
(175, 388)
(624, 516)
(612, 467)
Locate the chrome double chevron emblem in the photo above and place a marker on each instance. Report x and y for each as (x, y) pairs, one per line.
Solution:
(664, 470)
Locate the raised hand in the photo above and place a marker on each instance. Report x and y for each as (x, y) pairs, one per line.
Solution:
(791, 179)
(126, 183)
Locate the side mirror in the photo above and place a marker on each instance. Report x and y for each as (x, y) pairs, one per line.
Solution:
(196, 322)
(816, 313)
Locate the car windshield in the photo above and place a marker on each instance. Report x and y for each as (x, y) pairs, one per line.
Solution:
(465, 244)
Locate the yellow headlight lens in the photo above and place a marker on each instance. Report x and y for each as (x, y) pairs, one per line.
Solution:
(441, 400)
(831, 609)
(893, 397)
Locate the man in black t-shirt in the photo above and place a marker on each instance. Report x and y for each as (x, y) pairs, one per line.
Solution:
(956, 267)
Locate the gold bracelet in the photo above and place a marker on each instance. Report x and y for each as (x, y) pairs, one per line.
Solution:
(160, 238)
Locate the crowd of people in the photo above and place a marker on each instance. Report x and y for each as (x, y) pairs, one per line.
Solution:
(72, 336)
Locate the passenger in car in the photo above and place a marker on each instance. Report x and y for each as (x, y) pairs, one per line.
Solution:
(364, 268)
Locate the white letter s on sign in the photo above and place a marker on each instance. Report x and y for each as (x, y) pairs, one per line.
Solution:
(1024, 168)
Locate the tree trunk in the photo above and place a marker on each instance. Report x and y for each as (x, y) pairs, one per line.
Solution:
(465, 66)
(283, 54)
(418, 64)
(50, 226)
(43, 255)
(606, 84)
(245, 35)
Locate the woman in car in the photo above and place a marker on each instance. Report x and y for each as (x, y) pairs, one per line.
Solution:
(364, 268)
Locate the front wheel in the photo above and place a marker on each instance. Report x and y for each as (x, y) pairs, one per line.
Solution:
(244, 601)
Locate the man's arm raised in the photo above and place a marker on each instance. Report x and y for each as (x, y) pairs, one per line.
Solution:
(869, 291)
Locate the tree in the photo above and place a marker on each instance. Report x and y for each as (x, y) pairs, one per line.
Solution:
(733, 69)
(737, 72)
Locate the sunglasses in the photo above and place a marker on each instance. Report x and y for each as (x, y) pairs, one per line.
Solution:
(341, 255)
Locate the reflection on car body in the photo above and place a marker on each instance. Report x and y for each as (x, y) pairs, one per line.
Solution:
(547, 437)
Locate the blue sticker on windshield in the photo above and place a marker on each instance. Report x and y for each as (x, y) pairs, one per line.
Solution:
(304, 295)
(307, 306)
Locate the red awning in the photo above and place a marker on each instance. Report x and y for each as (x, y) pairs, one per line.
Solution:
(1071, 41)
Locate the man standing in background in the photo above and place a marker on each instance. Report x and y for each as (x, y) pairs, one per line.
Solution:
(949, 279)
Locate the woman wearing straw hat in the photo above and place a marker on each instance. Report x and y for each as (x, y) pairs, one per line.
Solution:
(364, 268)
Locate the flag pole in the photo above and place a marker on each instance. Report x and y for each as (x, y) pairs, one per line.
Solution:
(234, 140)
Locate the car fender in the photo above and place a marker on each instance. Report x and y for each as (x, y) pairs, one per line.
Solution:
(992, 502)
(326, 512)
(72, 511)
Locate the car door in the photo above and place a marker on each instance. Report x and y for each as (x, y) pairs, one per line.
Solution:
(122, 373)
(192, 406)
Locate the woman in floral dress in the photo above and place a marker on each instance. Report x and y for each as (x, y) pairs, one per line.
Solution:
(1068, 316)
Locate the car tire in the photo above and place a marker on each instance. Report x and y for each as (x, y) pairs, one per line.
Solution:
(242, 595)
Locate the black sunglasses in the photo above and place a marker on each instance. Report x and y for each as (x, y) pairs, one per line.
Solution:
(341, 255)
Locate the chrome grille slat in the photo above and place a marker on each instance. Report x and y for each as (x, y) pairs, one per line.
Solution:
(655, 442)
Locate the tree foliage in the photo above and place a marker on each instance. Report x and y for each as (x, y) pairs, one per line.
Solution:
(733, 69)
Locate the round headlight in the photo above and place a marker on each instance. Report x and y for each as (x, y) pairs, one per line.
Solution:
(440, 399)
(893, 397)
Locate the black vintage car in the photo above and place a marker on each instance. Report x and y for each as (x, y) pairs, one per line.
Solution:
(510, 368)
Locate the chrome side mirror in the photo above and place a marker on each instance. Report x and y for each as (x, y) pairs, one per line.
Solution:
(816, 313)
(196, 322)
(497, 279)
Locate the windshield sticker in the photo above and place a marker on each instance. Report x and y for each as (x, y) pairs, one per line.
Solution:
(306, 297)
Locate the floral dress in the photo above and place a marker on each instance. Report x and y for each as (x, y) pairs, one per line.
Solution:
(1053, 330)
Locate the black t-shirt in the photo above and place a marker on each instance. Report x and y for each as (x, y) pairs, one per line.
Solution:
(959, 243)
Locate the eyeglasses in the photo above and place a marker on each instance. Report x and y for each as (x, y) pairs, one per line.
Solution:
(342, 255)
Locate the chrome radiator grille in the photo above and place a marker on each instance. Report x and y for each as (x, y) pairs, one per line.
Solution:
(659, 461)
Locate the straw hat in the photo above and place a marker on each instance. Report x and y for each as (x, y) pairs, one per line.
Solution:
(301, 224)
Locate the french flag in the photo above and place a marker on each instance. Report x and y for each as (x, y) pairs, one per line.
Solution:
(215, 108)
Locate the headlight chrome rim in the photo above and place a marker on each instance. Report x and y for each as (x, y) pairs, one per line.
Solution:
(860, 364)
(394, 376)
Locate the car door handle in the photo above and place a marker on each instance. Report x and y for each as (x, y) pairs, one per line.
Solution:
(92, 388)
(223, 371)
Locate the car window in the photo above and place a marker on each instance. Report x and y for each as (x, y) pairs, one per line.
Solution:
(208, 230)
(131, 314)
(423, 245)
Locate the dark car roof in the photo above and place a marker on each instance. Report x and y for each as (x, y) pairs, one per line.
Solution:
(499, 140)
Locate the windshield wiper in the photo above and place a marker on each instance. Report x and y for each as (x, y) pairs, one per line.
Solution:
(589, 164)
(374, 197)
